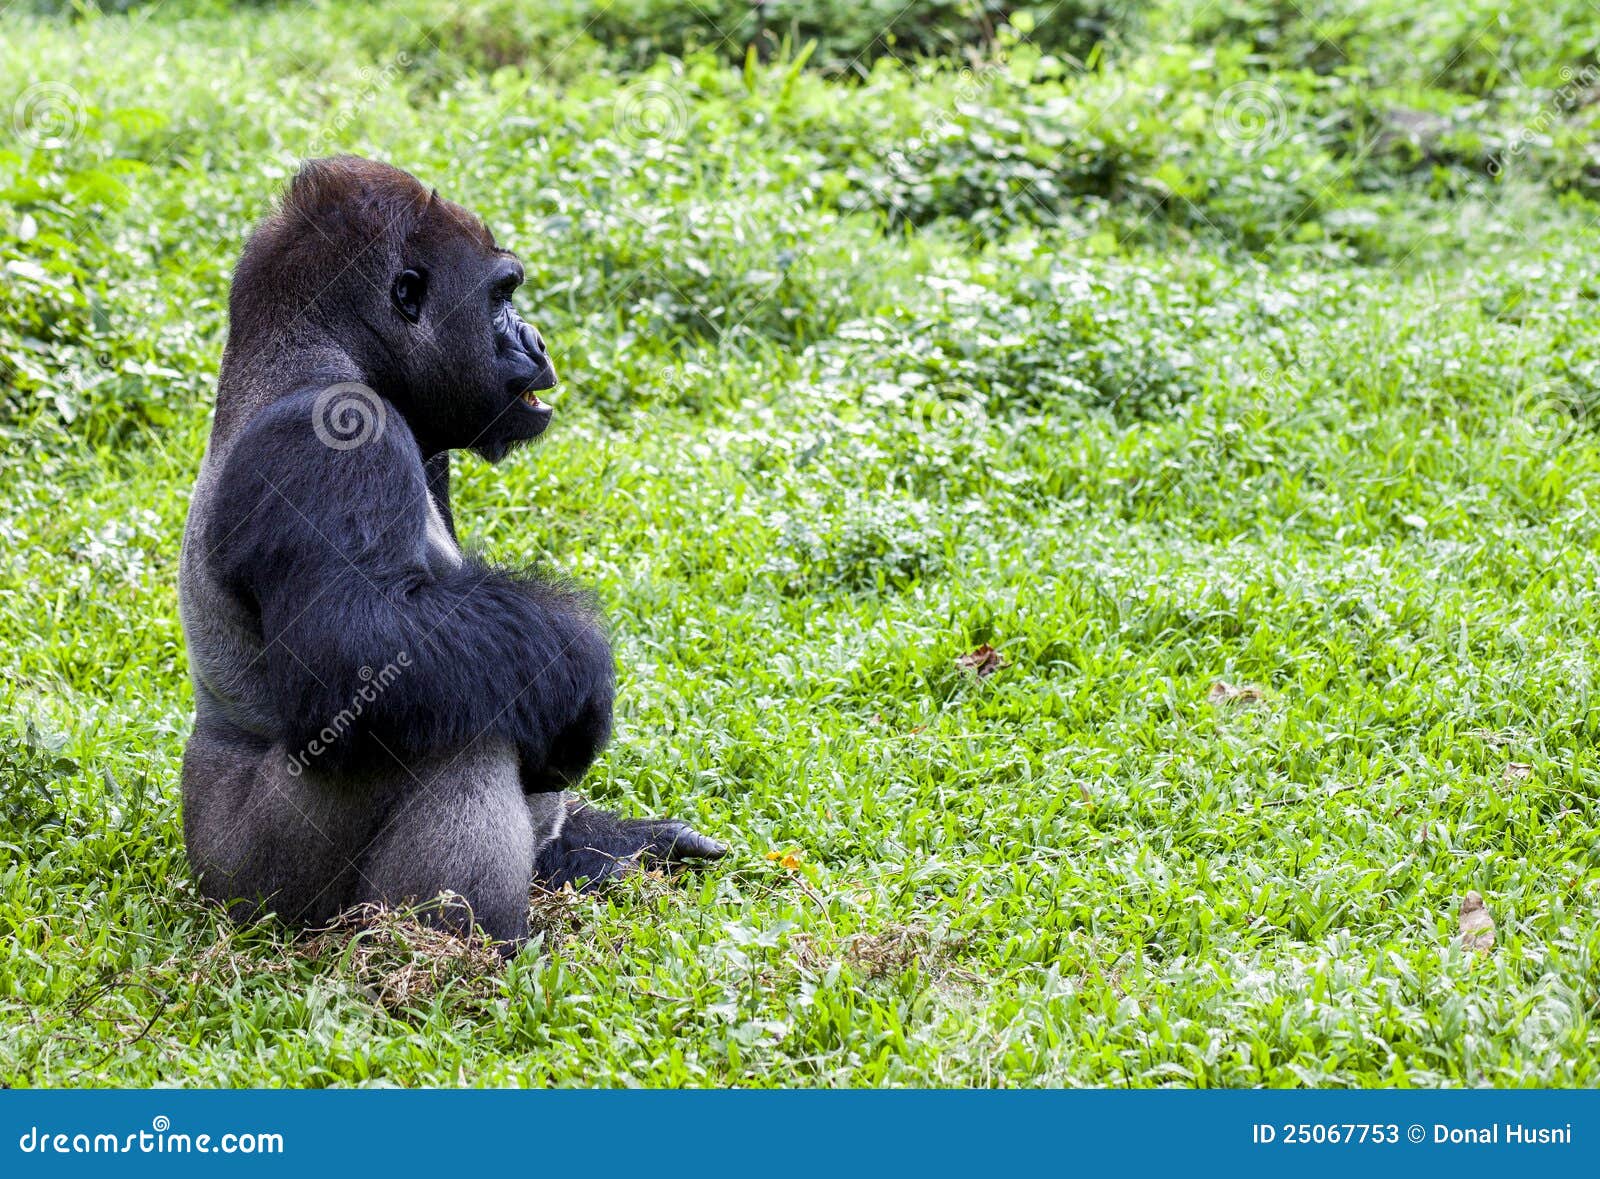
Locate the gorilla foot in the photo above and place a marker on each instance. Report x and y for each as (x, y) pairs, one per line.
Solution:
(596, 845)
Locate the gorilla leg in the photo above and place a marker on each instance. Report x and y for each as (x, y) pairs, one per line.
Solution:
(309, 846)
(594, 845)
(262, 840)
(463, 826)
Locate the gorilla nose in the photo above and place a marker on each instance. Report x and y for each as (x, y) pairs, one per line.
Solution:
(531, 372)
(527, 362)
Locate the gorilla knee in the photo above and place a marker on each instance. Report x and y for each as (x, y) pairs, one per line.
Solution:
(462, 850)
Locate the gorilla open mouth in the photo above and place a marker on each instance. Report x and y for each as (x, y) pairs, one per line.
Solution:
(526, 371)
(527, 386)
(527, 415)
(528, 396)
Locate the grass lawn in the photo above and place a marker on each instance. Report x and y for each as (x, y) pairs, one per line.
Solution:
(1229, 368)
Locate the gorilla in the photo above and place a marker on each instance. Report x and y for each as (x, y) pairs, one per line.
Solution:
(379, 716)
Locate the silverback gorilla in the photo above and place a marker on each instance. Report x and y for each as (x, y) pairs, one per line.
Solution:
(379, 717)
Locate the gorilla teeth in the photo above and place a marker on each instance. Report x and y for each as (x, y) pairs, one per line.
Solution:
(530, 397)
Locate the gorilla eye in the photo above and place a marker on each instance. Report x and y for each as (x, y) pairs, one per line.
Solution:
(408, 291)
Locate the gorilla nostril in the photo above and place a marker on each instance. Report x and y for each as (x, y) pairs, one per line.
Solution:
(532, 341)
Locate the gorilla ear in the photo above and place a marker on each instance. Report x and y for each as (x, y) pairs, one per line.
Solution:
(408, 292)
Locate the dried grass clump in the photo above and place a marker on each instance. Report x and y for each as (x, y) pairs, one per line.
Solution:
(875, 955)
(400, 960)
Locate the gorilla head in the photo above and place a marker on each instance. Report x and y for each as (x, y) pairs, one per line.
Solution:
(406, 293)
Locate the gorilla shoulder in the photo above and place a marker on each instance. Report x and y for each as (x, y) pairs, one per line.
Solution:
(337, 465)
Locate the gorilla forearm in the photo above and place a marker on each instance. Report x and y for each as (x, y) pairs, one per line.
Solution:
(478, 653)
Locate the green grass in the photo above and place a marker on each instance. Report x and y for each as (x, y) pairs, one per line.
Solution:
(1164, 346)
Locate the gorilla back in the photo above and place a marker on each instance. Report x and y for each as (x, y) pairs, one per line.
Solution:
(380, 718)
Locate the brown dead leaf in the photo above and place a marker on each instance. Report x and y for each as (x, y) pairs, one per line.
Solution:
(889, 952)
(1223, 692)
(1518, 771)
(984, 661)
(1477, 926)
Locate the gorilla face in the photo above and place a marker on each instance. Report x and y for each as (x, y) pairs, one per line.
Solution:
(471, 369)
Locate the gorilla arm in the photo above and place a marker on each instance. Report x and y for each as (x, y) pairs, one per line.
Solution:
(331, 546)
